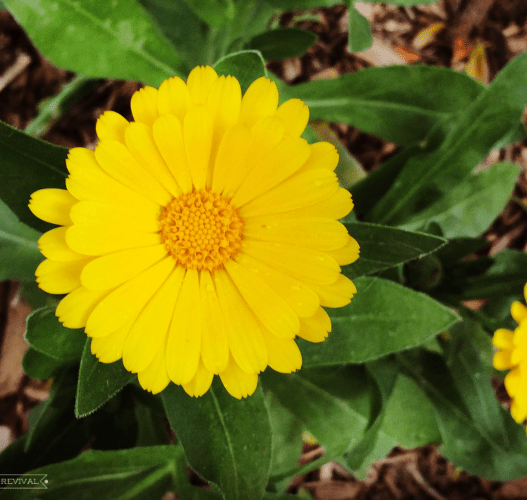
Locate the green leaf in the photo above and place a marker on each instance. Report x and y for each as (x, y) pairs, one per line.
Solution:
(286, 438)
(226, 441)
(99, 39)
(384, 101)
(19, 253)
(140, 473)
(57, 435)
(367, 193)
(361, 456)
(28, 164)
(478, 435)
(182, 27)
(333, 404)
(506, 275)
(477, 129)
(359, 36)
(409, 420)
(282, 43)
(246, 66)
(53, 108)
(216, 13)
(302, 4)
(383, 317)
(40, 366)
(470, 207)
(46, 334)
(382, 247)
(98, 382)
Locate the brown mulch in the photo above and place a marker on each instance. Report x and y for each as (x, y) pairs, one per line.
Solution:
(26, 78)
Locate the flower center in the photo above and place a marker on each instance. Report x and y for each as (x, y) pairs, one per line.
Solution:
(201, 230)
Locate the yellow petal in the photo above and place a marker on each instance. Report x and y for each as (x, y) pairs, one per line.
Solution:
(53, 246)
(305, 264)
(313, 232)
(117, 161)
(140, 142)
(184, 337)
(336, 206)
(259, 101)
(224, 103)
(98, 213)
(150, 331)
(89, 182)
(59, 277)
(295, 115)
(201, 382)
(96, 239)
(199, 83)
(502, 360)
(284, 354)
(155, 378)
(299, 191)
(265, 136)
(74, 310)
(126, 302)
(111, 125)
(512, 381)
(323, 155)
(337, 294)
(52, 205)
(144, 105)
(238, 383)
(503, 339)
(519, 410)
(245, 338)
(271, 309)
(271, 169)
(197, 135)
(346, 254)
(109, 348)
(214, 343)
(173, 98)
(518, 311)
(116, 268)
(168, 136)
(231, 160)
(300, 297)
(316, 328)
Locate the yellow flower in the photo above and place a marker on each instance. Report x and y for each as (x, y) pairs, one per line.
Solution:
(200, 239)
(512, 355)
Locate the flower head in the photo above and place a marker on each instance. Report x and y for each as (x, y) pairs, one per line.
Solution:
(201, 238)
(512, 355)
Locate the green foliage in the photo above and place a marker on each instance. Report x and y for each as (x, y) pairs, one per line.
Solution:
(428, 176)
(99, 38)
(383, 101)
(471, 206)
(98, 382)
(359, 36)
(28, 164)
(386, 376)
(281, 43)
(383, 318)
(226, 441)
(247, 65)
(45, 334)
(18, 243)
(382, 247)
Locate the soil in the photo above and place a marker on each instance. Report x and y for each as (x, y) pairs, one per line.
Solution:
(26, 78)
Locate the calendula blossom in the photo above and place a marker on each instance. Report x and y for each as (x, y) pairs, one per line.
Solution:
(512, 355)
(201, 238)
